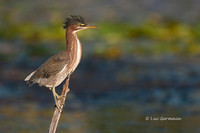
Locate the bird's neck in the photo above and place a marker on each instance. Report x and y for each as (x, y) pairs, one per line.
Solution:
(72, 41)
(73, 47)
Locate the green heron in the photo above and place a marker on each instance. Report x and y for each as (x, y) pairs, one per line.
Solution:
(60, 66)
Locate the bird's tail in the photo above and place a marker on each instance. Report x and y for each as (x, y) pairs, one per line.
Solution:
(27, 79)
(30, 82)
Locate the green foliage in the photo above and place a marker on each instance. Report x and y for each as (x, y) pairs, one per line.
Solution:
(111, 39)
(149, 38)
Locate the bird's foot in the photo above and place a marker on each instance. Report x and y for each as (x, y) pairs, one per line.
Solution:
(58, 105)
(60, 101)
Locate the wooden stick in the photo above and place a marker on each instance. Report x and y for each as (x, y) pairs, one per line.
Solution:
(57, 112)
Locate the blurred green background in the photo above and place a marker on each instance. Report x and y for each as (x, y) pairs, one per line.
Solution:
(143, 60)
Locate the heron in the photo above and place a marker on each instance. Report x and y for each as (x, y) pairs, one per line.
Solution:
(61, 65)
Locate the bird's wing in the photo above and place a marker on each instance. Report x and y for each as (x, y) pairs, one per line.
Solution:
(51, 67)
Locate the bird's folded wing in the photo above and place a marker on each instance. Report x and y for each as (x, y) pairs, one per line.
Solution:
(51, 67)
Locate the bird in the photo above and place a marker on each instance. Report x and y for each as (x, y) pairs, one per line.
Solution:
(61, 65)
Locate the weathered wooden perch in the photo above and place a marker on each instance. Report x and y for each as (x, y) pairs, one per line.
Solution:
(57, 112)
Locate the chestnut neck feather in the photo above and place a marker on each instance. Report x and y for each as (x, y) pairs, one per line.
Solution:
(71, 39)
(73, 48)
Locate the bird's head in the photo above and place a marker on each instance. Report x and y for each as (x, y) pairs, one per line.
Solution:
(76, 23)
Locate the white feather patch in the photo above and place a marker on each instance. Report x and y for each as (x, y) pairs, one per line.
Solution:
(78, 52)
(63, 69)
(29, 76)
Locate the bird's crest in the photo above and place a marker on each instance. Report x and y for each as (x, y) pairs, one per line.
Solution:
(72, 20)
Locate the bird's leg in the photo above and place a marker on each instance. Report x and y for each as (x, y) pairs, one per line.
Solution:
(56, 98)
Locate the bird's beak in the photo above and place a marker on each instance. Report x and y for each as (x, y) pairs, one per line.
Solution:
(89, 26)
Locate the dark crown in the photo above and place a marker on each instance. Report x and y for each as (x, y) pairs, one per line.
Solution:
(73, 20)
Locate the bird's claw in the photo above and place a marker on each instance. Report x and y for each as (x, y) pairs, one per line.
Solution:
(60, 101)
(59, 108)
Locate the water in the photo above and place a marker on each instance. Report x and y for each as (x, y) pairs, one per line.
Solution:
(104, 114)
(113, 99)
